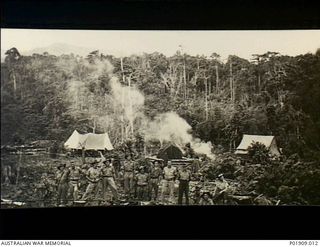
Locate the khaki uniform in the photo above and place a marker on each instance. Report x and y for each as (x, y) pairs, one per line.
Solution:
(184, 178)
(108, 173)
(62, 183)
(168, 183)
(74, 182)
(155, 175)
(128, 177)
(142, 186)
(44, 190)
(93, 176)
(221, 190)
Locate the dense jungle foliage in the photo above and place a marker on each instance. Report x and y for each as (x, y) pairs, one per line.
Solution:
(46, 97)
(270, 95)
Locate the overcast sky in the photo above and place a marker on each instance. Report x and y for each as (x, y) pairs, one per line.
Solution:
(240, 43)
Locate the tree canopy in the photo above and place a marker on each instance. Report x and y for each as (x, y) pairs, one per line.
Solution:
(44, 96)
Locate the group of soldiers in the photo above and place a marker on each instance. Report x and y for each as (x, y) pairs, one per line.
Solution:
(157, 182)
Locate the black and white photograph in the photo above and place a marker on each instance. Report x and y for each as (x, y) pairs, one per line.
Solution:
(107, 118)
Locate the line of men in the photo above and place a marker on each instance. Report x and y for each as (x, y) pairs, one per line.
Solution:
(100, 175)
(138, 182)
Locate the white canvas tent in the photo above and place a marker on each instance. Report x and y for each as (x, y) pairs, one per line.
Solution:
(268, 141)
(89, 141)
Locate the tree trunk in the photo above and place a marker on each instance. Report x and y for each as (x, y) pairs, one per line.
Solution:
(234, 87)
(77, 99)
(83, 156)
(130, 104)
(14, 84)
(122, 71)
(178, 87)
(196, 74)
(217, 79)
(18, 167)
(185, 80)
(206, 98)
(94, 126)
(234, 139)
(231, 83)
(121, 116)
(21, 91)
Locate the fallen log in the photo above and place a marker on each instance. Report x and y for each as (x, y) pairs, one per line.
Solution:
(241, 197)
(11, 202)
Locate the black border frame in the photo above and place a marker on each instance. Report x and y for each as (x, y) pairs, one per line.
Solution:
(150, 222)
(217, 222)
(161, 14)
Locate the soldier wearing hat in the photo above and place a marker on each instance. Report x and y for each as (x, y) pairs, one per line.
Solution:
(155, 176)
(197, 194)
(184, 177)
(222, 186)
(43, 189)
(62, 179)
(74, 179)
(206, 199)
(142, 184)
(108, 180)
(93, 177)
(128, 175)
(168, 183)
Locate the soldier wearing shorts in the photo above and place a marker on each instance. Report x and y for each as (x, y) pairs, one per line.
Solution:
(155, 176)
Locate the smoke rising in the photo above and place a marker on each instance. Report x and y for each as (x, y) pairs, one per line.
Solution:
(170, 127)
(129, 101)
(128, 104)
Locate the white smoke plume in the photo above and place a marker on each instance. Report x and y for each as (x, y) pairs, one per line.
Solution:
(170, 127)
(128, 103)
(129, 100)
(126, 99)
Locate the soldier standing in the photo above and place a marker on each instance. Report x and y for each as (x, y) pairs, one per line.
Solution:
(128, 170)
(195, 166)
(155, 176)
(108, 180)
(220, 192)
(62, 177)
(169, 174)
(43, 189)
(74, 179)
(142, 184)
(184, 177)
(93, 177)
